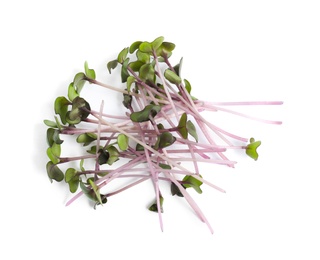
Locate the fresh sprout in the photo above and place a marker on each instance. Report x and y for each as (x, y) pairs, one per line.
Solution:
(163, 128)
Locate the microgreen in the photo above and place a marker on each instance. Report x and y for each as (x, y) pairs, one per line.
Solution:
(162, 128)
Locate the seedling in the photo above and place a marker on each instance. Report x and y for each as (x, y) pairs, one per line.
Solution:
(159, 132)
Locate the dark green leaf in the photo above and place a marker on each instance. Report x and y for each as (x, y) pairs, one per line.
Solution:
(172, 76)
(192, 130)
(154, 206)
(145, 114)
(96, 190)
(251, 149)
(182, 126)
(54, 173)
(103, 156)
(124, 71)
(80, 110)
(113, 155)
(72, 178)
(187, 85)
(175, 190)
(127, 100)
(136, 65)
(53, 136)
(112, 65)
(139, 148)
(165, 139)
(164, 166)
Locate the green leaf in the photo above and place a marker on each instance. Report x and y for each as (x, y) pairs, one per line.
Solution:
(124, 71)
(157, 43)
(127, 100)
(61, 108)
(54, 152)
(130, 80)
(53, 136)
(54, 173)
(190, 181)
(168, 46)
(192, 130)
(113, 155)
(139, 148)
(93, 149)
(143, 57)
(86, 138)
(123, 142)
(164, 166)
(147, 72)
(136, 65)
(146, 47)
(72, 178)
(154, 206)
(172, 77)
(78, 81)
(72, 93)
(182, 126)
(134, 46)
(70, 174)
(123, 55)
(112, 65)
(251, 149)
(90, 73)
(81, 165)
(145, 114)
(95, 189)
(187, 85)
(80, 110)
(50, 123)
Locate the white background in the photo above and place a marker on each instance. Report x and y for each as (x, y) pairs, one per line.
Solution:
(232, 50)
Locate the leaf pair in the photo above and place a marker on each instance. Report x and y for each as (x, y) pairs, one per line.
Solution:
(188, 182)
(92, 191)
(187, 127)
(150, 111)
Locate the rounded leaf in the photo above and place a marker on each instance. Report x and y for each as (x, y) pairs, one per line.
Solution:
(172, 77)
(54, 173)
(123, 142)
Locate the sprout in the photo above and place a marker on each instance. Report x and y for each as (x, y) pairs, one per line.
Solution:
(158, 133)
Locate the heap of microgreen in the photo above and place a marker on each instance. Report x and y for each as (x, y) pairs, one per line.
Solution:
(159, 132)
